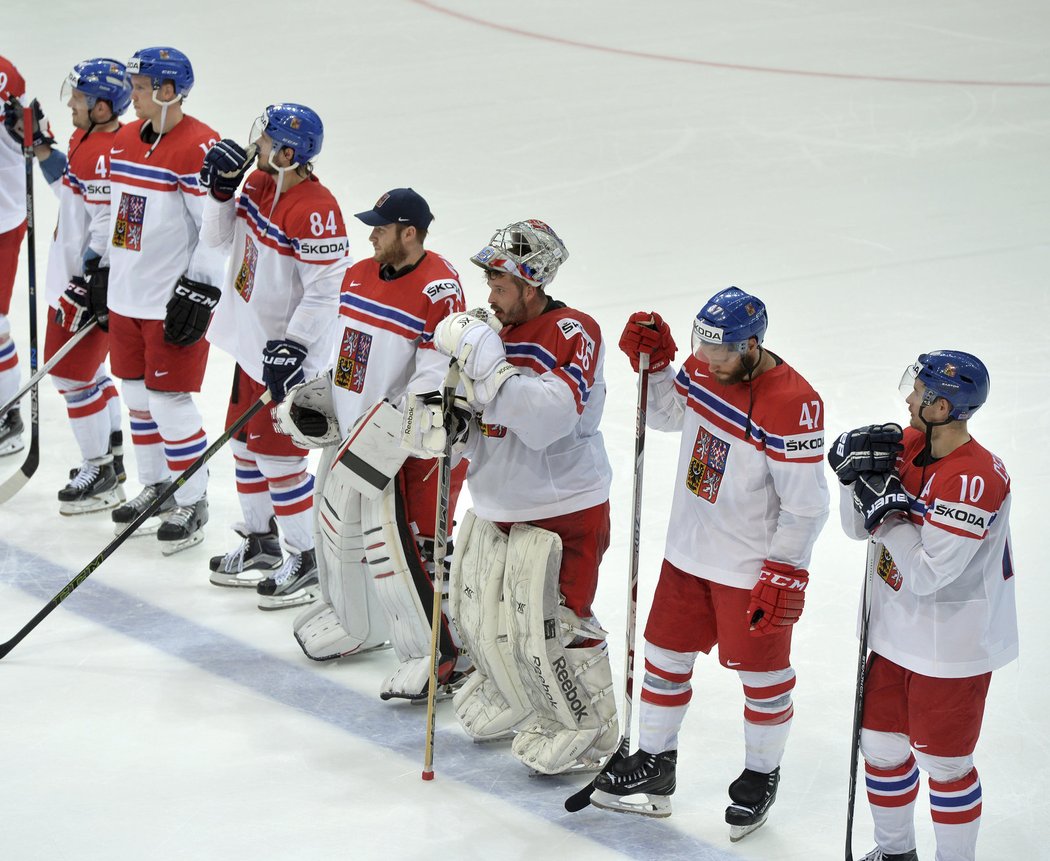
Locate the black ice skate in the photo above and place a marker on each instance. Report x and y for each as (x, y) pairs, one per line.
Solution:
(11, 433)
(643, 783)
(94, 487)
(258, 553)
(294, 584)
(116, 448)
(753, 793)
(126, 513)
(877, 854)
(183, 527)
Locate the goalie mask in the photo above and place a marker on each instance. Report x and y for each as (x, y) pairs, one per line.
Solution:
(529, 250)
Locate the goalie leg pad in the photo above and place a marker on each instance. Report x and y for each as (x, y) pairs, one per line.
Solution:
(492, 703)
(570, 689)
(348, 619)
(403, 582)
(372, 453)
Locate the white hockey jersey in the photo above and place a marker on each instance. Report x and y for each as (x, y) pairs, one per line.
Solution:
(83, 210)
(285, 270)
(386, 339)
(942, 603)
(12, 162)
(750, 482)
(540, 453)
(155, 218)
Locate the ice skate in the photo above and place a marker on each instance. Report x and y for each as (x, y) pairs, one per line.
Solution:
(753, 793)
(11, 433)
(116, 448)
(258, 553)
(183, 527)
(877, 854)
(94, 487)
(294, 584)
(126, 513)
(643, 783)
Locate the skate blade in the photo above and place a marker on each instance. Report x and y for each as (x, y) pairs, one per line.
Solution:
(169, 548)
(332, 656)
(96, 503)
(242, 579)
(150, 527)
(578, 768)
(293, 599)
(739, 832)
(655, 806)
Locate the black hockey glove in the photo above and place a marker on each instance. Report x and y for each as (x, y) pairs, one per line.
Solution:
(868, 449)
(189, 311)
(13, 115)
(225, 165)
(72, 313)
(282, 363)
(97, 278)
(878, 495)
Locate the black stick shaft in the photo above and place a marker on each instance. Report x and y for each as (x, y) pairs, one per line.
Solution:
(146, 513)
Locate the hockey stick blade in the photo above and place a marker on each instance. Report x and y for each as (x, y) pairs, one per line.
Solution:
(582, 798)
(129, 530)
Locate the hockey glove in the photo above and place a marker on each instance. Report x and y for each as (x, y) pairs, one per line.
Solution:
(282, 367)
(648, 333)
(423, 427)
(225, 165)
(97, 279)
(877, 496)
(777, 598)
(873, 448)
(189, 311)
(471, 338)
(13, 122)
(72, 312)
(307, 414)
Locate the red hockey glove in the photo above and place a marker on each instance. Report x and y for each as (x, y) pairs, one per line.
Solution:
(777, 599)
(648, 333)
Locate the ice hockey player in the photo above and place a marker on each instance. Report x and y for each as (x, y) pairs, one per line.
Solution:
(12, 232)
(381, 589)
(942, 612)
(525, 569)
(97, 93)
(160, 288)
(749, 501)
(276, 318)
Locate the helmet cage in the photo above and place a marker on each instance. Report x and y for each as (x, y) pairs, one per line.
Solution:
(529, 250)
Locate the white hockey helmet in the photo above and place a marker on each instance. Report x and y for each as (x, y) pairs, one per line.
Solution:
(528, 249)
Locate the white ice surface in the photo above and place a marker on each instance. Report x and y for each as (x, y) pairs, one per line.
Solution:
(893, 199)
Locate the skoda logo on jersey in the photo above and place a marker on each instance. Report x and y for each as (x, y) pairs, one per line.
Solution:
(704, 332)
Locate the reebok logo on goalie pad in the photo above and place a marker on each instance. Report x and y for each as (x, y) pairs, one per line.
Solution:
(565, 682)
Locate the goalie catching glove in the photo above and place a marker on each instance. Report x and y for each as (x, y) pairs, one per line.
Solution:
(777, 598)
(472, 339)
(189, 311)
(423, 426)
(870, 449)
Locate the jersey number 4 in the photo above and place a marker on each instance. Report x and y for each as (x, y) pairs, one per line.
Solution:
(810, 417)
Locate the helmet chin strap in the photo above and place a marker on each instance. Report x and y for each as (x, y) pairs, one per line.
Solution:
(927, 451)
(163, 117)
(281, 171)
(750, 387)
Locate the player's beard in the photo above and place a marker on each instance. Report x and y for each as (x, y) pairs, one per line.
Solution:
(394, 255)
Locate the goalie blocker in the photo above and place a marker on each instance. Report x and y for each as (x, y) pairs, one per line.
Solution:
(530, 678)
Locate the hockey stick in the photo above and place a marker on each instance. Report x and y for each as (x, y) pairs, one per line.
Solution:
(60, 354)
(448, 400)
(129, 530)
(17, 481)
(582, 798)
(858, 702)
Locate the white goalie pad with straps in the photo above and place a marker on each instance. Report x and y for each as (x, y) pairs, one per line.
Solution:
(403, 582)
(570, 689)
(492, 703)
(307, 414)
(348, 619)
(372, 453)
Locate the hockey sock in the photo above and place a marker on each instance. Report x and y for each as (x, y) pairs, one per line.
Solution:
(252, 489)
(666, 692)
(112, 396)
(956, 810)
(9, 373)
(87, 407)
(150, 464)
(891, 795)
(767, 717)
(179, 422)
(292, 495)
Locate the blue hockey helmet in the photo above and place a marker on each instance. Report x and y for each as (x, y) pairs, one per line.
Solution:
(163, 64)
(101, 78)
(728, 320)
(960, 378)
(294, 126)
